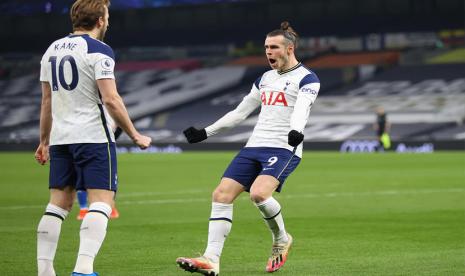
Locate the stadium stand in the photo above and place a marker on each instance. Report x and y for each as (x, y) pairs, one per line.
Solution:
(179, 77)
(423, 102)
(418, 99)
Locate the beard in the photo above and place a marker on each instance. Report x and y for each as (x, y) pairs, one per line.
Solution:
(285, 60)
(282, 63)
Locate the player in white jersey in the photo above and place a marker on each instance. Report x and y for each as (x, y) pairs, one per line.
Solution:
(77, 82)
(274, 150)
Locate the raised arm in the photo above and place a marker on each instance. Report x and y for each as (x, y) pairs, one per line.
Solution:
(236, 116)
(249, 103)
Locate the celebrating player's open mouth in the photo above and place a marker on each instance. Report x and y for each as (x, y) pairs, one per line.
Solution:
(272, 62)
(279, 63)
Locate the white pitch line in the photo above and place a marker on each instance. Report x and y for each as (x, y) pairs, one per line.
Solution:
(378, 193)
(142, 194)
(118, 195)
(18, 207)
(164, 201)
(291, 196)
(343, 194)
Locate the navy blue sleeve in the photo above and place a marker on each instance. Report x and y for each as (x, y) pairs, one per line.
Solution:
(310, 78)
(257, 82)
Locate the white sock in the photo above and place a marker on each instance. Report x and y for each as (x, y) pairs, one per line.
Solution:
(93, 231)
(271, 212)
(218, 229)
(48, 233)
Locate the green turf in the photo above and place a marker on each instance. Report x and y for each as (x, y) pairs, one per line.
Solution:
(350, 214)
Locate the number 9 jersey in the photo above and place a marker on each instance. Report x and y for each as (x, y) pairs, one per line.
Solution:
(72, 65)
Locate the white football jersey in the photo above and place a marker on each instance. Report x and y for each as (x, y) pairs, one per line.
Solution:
(285, 98)
(71, 65)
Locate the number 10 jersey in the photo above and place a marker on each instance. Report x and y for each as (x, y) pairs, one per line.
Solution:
(72, 65)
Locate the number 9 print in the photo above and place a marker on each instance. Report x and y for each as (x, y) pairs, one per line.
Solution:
(272, 161)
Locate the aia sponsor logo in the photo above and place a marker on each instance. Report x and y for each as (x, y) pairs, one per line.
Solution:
(273, 98)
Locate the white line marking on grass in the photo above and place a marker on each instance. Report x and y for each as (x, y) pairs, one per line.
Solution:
(163, 201)
(378, 193)
(18, 207)
(118, 195)
(309, 195)
(142, 194)
(343, 194)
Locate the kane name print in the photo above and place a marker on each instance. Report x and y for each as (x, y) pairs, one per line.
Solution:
(64, 46)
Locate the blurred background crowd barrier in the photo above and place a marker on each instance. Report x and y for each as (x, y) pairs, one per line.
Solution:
(182, 63)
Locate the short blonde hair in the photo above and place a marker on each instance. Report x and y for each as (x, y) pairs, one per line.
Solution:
(85, 13)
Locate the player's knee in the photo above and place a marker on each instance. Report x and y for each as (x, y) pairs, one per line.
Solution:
(257, 196)
(221, 196)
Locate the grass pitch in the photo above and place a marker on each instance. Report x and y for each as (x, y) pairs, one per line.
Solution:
(350, 214)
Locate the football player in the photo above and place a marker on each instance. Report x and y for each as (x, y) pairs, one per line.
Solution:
(77, 77)
(285, 94)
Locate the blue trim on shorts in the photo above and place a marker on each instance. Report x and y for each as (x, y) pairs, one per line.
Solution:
(251, 162)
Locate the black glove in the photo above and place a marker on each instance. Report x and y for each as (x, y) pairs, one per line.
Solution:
(294, 138)
(194, 135)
